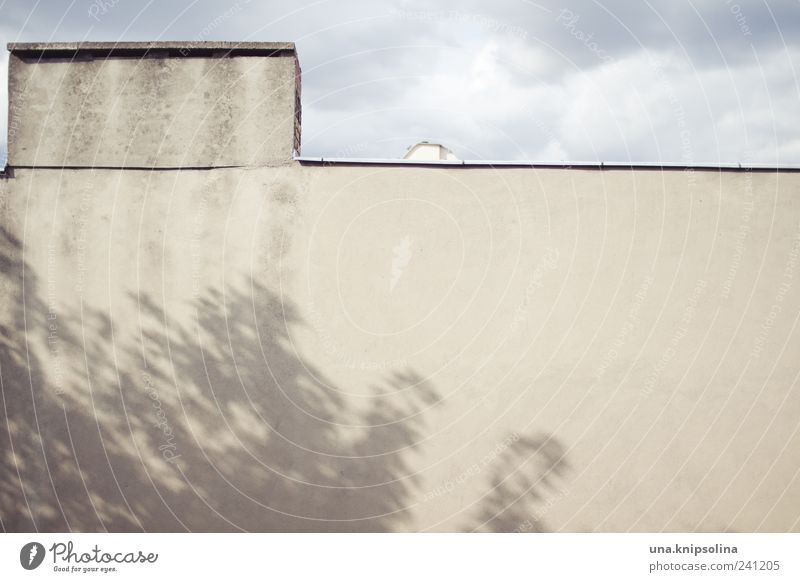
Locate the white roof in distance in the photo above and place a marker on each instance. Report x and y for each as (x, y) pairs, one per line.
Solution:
(425, 150)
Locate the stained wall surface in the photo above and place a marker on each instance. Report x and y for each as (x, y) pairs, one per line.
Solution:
(388, 348)
(154, 110)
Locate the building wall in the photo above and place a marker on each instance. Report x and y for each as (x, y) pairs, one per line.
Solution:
(379, 348)
(156, 112)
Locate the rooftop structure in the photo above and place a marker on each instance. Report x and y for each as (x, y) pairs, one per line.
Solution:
(153, 105)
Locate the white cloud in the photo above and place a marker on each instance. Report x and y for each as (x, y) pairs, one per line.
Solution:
(672, 112)
(646, 107)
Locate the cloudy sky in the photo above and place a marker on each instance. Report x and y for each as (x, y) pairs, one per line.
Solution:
(673, 81)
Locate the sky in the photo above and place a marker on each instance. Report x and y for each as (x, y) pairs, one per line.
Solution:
(703, 81)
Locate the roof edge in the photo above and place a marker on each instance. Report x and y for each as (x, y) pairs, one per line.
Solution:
(180, 48)
(720, 167)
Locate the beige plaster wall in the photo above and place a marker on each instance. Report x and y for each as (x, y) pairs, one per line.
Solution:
(378, 348)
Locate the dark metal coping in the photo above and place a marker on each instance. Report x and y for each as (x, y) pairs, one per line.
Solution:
(186, 49)
(501, 164)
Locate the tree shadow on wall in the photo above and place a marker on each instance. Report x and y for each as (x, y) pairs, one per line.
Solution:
(209, 420)
(527, 479)
(215, 426)
(40, 482)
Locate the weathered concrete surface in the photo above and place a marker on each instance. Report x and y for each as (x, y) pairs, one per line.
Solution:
(91, 109)
(190, 47)
(383, 348)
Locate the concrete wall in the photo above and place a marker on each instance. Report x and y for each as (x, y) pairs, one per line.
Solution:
(92, 106)
(378, 348)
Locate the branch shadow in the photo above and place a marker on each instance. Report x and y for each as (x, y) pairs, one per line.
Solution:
(213, 425)
(527, 479)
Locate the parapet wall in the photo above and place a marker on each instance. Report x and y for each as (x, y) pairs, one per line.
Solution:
(153, 105)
